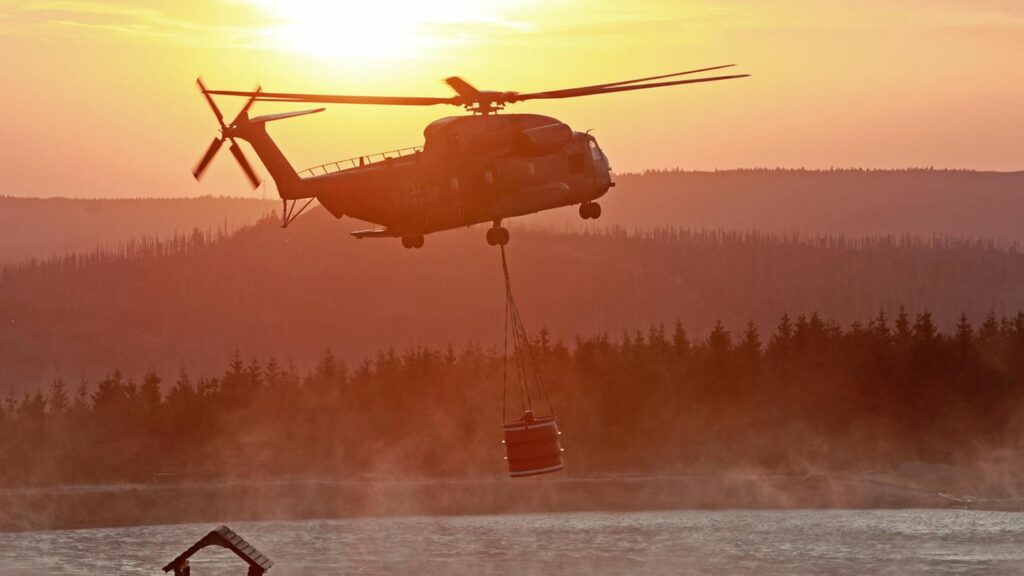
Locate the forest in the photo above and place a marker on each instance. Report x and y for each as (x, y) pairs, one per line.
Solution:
(157, 304)
(808, 395)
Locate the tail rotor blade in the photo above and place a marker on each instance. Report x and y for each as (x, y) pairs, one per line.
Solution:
(236, 151)
(227, 134)
(209, 100)
(210, 153)
(245, 109)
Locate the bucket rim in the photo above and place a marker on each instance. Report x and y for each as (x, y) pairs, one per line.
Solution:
(536, 471)
(542, 422)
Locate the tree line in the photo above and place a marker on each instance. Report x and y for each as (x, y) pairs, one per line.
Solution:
(810, 395)
(292, 293)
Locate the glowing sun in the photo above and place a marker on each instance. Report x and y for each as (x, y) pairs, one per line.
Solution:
(375, 28)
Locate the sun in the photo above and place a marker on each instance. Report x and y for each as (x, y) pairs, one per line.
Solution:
(373, 29)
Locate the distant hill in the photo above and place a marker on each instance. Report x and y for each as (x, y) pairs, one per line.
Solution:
(852, 202)
(42, 227)
(191, 301)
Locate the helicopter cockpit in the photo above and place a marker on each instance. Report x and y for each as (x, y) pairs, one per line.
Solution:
(599, 158)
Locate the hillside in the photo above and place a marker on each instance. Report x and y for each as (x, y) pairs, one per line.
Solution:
(43, 227)
(853, 202)
(192, 301)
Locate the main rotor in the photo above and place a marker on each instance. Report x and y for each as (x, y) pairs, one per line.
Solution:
(482, 101)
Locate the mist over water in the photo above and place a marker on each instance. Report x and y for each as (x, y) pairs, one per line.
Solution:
(679, 542)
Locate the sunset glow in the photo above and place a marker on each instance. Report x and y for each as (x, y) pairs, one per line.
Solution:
(374, 30)
(869, 84)
(593, 287)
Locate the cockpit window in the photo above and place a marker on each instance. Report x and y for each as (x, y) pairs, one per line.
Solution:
(595, 152)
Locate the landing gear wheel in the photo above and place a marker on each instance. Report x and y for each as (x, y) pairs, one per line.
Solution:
(412, 241)
(590, 210)
(497, 236)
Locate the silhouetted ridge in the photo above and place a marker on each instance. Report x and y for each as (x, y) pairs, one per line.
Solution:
(44, 227)
(192, 299)
(920, 202)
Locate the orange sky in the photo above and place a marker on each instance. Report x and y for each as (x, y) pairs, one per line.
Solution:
(99, 96)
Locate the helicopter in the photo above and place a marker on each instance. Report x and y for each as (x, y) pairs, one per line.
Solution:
(471, 169)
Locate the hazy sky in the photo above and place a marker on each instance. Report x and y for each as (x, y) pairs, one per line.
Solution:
(99, 96)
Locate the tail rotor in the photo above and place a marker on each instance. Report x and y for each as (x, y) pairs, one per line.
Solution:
(210, 153)
(236, 151)
(227, 133)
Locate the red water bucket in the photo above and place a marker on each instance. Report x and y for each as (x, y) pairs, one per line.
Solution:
(531, 446)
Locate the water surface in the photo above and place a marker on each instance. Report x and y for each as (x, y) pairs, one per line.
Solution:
(593, 544)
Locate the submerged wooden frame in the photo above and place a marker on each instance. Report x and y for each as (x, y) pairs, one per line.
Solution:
(226, 538)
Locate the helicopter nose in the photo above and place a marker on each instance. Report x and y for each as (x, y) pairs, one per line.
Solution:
(601, 159)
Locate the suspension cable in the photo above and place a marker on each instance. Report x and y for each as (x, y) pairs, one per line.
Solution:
(525, 359)
(512, 317)
(504, 362)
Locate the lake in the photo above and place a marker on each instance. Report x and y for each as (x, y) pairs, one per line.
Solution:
(594, 543)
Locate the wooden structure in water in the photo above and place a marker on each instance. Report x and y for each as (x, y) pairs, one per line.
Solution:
(226, 538)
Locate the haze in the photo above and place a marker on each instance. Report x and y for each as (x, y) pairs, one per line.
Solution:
(100, 98)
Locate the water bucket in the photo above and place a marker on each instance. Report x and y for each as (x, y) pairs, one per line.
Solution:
(531, 446)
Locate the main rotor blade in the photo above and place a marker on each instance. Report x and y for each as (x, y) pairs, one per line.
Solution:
(281, 116)
(236, 151)
(647, 79)
(588, 91)
(209, 100)
(197, 172)
(338, 99)
(461, 87)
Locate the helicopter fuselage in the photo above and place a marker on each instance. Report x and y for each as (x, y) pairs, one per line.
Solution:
(471, 169)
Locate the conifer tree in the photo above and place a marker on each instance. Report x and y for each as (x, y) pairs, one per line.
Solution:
(964, 336)
(58, 400)
(680, 341)
(719, 341)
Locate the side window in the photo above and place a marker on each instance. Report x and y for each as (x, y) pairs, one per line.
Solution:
(576, 162)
